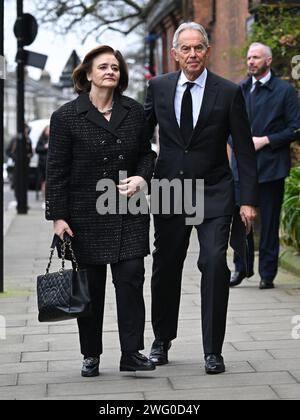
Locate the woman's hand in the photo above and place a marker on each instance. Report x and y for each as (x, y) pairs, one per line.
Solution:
(60, 227)
(131, 185)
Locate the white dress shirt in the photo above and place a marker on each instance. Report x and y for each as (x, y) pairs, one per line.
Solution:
(197, 95)
(264, 80)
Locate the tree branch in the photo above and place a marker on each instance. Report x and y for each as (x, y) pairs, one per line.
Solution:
(69, 14)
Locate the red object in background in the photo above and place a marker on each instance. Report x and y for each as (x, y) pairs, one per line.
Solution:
(147, 73)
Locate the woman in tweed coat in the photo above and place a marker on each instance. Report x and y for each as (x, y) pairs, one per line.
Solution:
(95, 137)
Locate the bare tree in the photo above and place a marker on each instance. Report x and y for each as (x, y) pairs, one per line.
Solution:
(94, 16)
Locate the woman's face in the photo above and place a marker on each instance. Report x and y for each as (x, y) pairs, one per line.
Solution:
(105, 72)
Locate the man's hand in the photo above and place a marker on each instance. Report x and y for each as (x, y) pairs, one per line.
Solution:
(260, 142)
(248, 214)
(131, 185)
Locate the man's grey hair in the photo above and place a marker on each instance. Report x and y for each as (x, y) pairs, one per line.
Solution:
(267, 50)
(190, 25)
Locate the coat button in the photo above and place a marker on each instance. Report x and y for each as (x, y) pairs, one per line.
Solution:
(119, 141)
(105, 159)
(102, 142)
(121, 157)
(181, 172)
(186, 152)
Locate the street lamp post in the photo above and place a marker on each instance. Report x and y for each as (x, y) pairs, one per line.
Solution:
(21, 161)
(1, 136)
(25, 29)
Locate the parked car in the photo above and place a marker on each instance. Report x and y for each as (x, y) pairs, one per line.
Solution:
(36, 129)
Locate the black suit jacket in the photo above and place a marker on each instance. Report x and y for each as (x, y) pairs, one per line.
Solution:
(223, 113)
(276, 115)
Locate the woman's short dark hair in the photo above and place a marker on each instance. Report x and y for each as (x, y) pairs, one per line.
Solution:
(79, 76)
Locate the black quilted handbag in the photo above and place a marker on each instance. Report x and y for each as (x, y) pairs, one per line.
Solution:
(63, 294)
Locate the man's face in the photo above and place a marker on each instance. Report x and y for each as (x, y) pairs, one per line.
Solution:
(191, 53)
(258, 61)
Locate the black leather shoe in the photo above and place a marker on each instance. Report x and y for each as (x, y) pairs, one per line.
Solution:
(131, 362)
(214, 363)
(266, 284)
(159, 352)
(90, 367)
(236, 278)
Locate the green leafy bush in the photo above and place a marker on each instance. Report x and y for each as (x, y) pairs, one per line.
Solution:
(290, 214)
(279, 28)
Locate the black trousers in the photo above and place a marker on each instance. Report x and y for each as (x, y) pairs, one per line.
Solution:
(171, 244)
(128, 279)
(270, 201)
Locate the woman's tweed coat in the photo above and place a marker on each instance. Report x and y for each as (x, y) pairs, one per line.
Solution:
(83, 149)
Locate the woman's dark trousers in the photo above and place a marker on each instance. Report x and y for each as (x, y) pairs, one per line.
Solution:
(128, 280)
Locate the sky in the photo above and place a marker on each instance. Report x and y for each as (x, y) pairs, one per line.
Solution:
(57, 47)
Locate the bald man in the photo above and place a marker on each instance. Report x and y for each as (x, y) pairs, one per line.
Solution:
(274, 113)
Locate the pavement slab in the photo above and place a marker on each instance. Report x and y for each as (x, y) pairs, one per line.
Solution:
(43, 360)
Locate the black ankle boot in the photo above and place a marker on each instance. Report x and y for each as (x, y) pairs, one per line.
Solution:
(90, 367)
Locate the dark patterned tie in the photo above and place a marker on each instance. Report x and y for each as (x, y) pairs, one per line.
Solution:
(186, 114)
(253, 98)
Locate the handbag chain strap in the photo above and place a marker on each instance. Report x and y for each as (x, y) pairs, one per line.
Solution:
(65, 243)
(50, 260)
(68, 242)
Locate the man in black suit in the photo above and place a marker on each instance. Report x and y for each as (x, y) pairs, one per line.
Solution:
(196, 111)
(274, 113)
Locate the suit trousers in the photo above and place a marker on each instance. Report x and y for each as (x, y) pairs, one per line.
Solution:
(171, 244)
(270, 201)
(128, 280)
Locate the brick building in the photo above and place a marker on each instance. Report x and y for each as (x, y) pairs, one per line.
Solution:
(226, 21)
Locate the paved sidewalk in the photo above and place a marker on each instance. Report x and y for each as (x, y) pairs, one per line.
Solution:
(43, 361)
